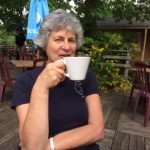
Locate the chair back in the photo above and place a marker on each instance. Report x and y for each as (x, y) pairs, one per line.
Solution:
(5, 72)
(134, 74)
(142, 77)
(24, 55)
(2, 86)
(1, 74)
(37, 62)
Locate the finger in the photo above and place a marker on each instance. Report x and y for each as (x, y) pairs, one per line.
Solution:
(60, 71)
(55, 72)
(63, 78)
(60, 78)
(60, 64)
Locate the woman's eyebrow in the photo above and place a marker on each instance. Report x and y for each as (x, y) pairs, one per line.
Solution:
(58, 36)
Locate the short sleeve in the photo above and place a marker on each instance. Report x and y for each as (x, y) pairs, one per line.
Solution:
(21, 91)
(90, 85)
(23, 87)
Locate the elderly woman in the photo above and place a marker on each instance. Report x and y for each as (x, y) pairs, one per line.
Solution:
(52, 113)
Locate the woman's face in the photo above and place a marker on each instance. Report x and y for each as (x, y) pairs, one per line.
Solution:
(61, 43)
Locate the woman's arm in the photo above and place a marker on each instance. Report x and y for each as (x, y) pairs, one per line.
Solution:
(21, 113)
(33, 121)
(90, 133)
(35, 129)
(33, 118)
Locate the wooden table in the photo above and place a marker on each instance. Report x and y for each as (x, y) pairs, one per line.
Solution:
(147, 70)
(24, 63)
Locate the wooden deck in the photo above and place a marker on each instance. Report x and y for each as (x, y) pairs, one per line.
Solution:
(121, 131)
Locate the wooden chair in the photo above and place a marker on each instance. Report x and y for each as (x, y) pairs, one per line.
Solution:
(6, 77)
(36, 61)
(134, 82)
(2, 88)
(24, 55)
(144, 90)
(14, 53)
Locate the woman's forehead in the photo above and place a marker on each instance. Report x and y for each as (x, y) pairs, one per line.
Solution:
(62, 28)
(63, 31)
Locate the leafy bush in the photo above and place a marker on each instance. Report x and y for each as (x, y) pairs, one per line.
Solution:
(108, 76)
(6, 37)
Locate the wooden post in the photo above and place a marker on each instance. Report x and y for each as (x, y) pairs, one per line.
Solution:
(126, 72)
(144, 45)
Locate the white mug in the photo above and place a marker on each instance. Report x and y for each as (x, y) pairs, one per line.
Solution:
(76, 67)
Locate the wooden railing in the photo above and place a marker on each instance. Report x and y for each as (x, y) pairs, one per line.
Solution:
(7, 47)
(122, 57)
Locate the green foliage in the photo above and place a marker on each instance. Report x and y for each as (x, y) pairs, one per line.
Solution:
(6, 37)
(108, 76)
(128, 9)
(12, 13)
(88, 11)
(55, 4)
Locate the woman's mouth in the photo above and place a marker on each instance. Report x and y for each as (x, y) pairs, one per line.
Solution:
(65, 55)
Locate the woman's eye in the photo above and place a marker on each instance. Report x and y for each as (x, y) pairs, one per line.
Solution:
(72, 41)
(57, 39)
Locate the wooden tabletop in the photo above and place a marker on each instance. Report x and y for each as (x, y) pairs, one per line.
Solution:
(24, 63)
(147, 69)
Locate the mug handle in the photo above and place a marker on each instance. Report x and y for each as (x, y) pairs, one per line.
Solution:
(62, 60)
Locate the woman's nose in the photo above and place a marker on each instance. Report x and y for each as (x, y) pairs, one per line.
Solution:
(66, 46)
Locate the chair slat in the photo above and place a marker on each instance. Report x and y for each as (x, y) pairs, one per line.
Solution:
(144, 90)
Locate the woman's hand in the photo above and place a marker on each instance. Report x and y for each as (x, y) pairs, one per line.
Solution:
(52, 75)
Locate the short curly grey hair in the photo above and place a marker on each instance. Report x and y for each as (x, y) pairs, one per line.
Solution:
(56, 20)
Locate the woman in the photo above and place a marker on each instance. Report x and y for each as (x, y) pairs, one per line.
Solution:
(52, 113)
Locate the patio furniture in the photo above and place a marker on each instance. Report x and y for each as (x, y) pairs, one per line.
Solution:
(14, 54)
(144, 90)
(6, 77)
(24, 63)
(2, 88)
(38, 62)
(135, 80)
(24, 55)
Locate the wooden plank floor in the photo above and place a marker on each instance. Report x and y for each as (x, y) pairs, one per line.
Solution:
(121, 131)
(8, 125)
